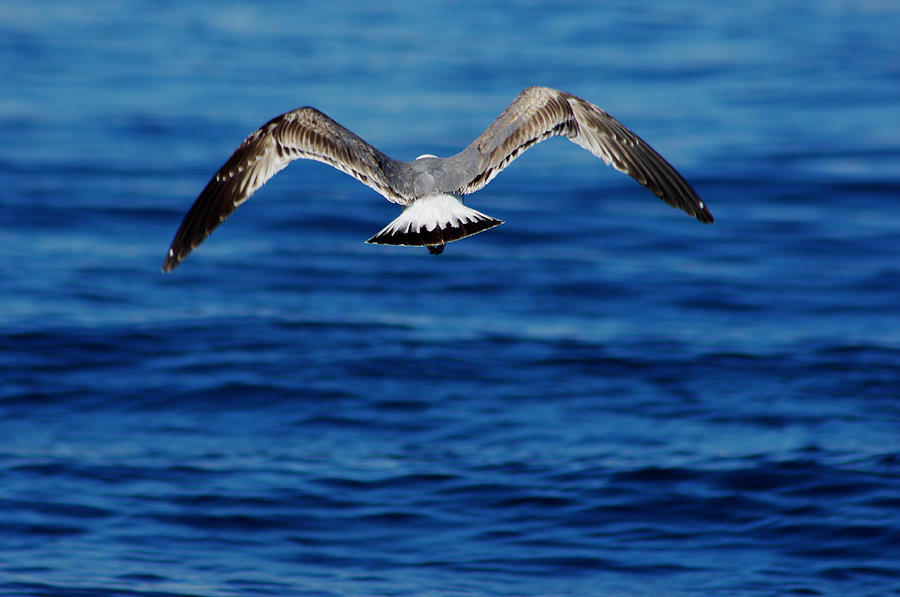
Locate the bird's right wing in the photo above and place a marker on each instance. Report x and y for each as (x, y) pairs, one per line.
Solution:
(539, 113)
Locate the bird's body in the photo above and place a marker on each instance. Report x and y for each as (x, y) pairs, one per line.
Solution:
(430, 188)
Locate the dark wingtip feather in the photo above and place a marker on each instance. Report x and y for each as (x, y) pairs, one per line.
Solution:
(172, 260)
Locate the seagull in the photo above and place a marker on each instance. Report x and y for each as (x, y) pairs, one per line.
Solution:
(430, 188)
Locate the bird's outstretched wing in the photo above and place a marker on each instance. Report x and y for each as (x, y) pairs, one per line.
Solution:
(539, 113)
(302, 133)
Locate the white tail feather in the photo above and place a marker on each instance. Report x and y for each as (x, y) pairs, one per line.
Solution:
(434, 220)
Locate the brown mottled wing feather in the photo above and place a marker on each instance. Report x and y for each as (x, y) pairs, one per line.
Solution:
(539, 113)
(303, 133)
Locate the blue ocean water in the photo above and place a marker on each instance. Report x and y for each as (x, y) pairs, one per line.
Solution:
(600, 397)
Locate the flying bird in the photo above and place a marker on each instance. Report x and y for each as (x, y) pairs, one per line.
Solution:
(430, 188)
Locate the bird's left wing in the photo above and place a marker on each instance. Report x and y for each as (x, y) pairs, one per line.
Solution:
(302, 133)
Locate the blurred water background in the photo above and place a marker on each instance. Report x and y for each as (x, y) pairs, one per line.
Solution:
(600, 397)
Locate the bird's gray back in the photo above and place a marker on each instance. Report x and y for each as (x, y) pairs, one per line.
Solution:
(434, 175)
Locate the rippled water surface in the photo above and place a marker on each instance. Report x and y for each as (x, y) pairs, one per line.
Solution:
(600, 397)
